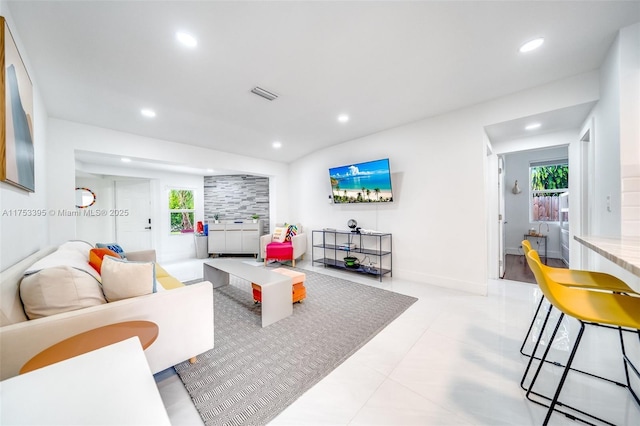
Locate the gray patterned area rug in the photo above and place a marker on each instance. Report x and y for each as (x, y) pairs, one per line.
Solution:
(254, 373)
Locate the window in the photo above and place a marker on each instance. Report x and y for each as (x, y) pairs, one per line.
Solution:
(548, 180)
(181, 211)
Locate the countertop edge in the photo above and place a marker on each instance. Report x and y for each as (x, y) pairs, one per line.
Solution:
(592, 243)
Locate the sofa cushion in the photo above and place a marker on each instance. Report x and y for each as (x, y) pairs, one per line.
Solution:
(292, 230)
(59, 289)
(166, 281)
(122, 279)
(65, 256)
(96, 255)
(279, 234)
(281, 251)
(80, 246)
(112, 246)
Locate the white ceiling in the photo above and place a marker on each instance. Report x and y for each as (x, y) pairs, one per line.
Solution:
(554, 121)
(98, 163)
(384, 63)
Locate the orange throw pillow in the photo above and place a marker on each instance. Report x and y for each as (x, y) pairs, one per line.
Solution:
(96, 255)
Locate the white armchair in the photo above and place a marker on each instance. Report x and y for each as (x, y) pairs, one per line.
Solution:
(292, 250)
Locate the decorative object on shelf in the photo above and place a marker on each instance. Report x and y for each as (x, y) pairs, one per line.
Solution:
(216, 218)
(516, 189)
(348, 246)
(540, 226)
(351, 262)
(17, 165)
(255, 218)
(352, 224)
(370, 268)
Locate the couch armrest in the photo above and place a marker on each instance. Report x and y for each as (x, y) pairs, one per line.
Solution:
(184, 317)
(264, 240)
(141, 256)
(299, 243)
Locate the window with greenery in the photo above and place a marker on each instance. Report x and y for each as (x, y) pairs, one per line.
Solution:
(181, 210)
(548, 180)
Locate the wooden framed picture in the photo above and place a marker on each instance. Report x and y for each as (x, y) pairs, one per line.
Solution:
(16, 114)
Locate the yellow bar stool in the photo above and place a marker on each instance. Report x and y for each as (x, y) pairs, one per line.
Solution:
(610, 284)
(573, 278)
(588, 307)
(581, 278)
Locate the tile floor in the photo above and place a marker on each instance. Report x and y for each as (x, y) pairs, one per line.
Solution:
(451, 359)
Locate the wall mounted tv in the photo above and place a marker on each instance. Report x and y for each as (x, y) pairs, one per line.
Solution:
(368, 182)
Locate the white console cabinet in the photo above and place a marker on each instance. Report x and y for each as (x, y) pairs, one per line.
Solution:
(235, 238)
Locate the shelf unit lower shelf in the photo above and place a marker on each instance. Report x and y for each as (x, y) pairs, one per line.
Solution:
(329, 246)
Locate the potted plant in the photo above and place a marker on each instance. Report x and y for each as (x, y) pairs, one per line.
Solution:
(255, 218)
(216, 216)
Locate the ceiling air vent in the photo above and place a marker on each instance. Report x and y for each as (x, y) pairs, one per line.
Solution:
(264, 93)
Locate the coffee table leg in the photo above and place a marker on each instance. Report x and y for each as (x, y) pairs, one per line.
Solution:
(217, 277)
(276, 301)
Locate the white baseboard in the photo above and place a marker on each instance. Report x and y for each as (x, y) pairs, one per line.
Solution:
(479, 288)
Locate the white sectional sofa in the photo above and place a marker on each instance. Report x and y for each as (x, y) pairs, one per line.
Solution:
(184, 316)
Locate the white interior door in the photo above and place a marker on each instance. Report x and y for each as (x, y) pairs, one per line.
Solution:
(501, 218)
(133, 214)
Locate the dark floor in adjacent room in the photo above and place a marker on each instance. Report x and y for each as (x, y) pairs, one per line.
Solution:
(516, 268)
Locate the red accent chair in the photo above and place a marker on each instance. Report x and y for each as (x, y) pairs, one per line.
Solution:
(286, 250)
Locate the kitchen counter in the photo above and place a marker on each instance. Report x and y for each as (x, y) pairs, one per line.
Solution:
(623, 251)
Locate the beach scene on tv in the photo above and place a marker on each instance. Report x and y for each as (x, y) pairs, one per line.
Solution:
(362, 183)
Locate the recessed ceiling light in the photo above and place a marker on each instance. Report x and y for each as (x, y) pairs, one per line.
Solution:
(343, 118)
(276, 144)
(531, 45)
(186, 39)
(125, 160)
(532, 126)
(210, 170)
(148, 112)
(264, 93)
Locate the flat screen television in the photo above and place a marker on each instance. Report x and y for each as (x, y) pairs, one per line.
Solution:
(368, 182)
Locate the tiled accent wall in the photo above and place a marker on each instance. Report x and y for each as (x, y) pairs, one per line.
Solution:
(236, 197)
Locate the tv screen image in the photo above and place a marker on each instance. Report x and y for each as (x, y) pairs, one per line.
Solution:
(368, 182)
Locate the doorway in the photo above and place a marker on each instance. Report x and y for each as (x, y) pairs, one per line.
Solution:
(528, 212)
(132, 214)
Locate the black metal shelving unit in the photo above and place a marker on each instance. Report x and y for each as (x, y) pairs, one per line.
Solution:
(332, 245)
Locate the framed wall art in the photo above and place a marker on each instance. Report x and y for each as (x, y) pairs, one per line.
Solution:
(16, 114)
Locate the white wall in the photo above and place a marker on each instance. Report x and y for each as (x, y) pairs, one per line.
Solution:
(616, 143)
(630, 129)
(606, 150)
(94, 229)
(22, 231)
(517, 206)
(65, 137)
(439, 165)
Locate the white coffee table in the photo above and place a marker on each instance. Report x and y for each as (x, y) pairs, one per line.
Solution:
(109, 386)
(276, 288)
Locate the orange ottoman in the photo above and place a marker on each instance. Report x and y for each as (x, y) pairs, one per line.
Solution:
(299, 291)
